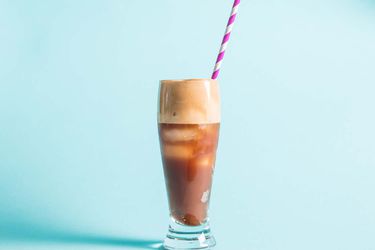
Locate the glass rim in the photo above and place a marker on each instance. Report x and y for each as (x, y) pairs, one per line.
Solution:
(187, 80)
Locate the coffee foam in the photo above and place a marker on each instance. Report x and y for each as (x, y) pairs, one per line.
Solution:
(191, 101)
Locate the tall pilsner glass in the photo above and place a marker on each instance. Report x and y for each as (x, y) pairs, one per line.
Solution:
(189, 121)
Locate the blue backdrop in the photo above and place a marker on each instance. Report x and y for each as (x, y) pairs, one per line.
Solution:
(80, 164)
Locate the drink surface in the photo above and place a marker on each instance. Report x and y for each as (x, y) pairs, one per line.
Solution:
(189, 153)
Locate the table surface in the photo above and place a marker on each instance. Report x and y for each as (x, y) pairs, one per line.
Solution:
(80, 164)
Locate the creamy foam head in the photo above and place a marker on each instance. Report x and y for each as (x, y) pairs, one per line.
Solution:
(189, 101)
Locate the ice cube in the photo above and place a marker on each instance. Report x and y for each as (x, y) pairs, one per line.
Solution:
(204, 161)
(177, 151)
(182, 134)
(205, 196)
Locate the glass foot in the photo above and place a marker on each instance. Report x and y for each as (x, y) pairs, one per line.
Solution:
(181, 236)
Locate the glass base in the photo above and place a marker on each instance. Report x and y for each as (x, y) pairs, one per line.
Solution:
(181, 236)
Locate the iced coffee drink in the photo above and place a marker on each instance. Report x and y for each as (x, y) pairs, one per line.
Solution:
(189, 121)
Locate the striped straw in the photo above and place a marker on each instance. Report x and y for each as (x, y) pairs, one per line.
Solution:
(224, 43)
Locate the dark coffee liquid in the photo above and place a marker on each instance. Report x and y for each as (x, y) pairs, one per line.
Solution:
(189, 152)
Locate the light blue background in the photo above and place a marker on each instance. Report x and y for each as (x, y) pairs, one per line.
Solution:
(79, 155)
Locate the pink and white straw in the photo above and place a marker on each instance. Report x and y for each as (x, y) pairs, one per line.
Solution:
(224, 43)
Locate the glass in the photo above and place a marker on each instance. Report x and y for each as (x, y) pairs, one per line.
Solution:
(189, 122)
